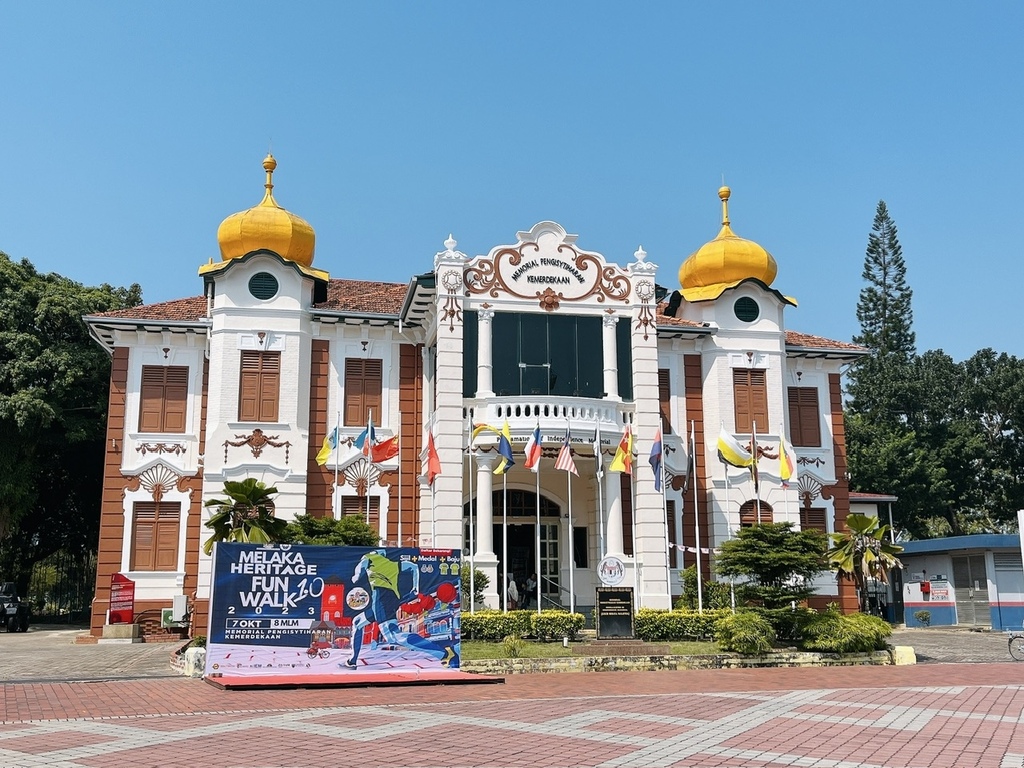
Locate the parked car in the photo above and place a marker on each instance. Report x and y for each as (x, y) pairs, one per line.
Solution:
(13, 612)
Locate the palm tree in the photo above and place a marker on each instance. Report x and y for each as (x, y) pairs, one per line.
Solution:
(246, 515)
(862, 553)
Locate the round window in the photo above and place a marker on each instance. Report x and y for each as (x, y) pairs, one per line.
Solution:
(263, 285)
(746, 309)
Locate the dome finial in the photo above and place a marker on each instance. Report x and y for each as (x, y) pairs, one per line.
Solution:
(723, 193)
(269, 164)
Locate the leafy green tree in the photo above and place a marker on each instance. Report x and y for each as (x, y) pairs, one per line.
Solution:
(480, 583)
(54, 383)
(777, 562)
(246, 515)
(350, 530)
(862, 552)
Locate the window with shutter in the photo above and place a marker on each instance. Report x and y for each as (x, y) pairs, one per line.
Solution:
(163, 398)
(750, 392)
(804, 417)
(260, 386)
(665, 400)
(364, 383)
(355, 506)
(670, 514)
(155, 529)
(813, 520)
(749, 514)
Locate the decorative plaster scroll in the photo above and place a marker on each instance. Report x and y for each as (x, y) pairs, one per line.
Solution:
(362, 475)
(645, 292)
(550, 260)
(176, 448)
(257, 441)
(817, 461)
(452, 308)
(158, 480)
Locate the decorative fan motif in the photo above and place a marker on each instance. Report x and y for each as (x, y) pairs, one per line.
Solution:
(808, 489)
(362, 475)
(159, 479)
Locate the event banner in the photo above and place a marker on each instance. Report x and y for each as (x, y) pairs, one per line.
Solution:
(318, 610)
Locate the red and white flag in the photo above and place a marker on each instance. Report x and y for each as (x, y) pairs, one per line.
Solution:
(564, 459)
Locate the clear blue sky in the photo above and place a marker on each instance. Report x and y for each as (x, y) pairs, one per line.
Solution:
(128, 131)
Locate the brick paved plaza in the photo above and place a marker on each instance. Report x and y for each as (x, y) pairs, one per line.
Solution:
(935, 714)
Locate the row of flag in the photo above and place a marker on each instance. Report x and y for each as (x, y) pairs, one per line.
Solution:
(377, 452)
(730, 451)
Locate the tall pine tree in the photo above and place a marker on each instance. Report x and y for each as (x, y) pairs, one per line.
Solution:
(885, 454)
(878, 384)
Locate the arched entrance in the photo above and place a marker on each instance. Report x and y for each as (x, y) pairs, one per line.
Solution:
(519, 510)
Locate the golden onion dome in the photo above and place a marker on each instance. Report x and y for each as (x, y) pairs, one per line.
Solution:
(724, 262)
(268, 226)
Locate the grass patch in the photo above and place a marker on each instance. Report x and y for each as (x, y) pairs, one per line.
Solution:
(474, 650)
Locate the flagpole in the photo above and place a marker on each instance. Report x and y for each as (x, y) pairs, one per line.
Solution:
(636, 552)
(399, 534)
(753, 466)
(537, 537)
(664, 517)
(600, 486)
(696, 517)
(472, 506)
(572, 538)
(368, 453)
(335, 500)
(504, 542)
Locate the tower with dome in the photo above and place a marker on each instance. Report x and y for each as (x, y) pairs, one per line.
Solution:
(540, 336)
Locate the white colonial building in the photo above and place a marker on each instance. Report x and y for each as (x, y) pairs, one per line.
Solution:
(249, 378)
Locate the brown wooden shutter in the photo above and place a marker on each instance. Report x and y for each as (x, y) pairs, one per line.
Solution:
(260, 386)
(670, 515)
(270, 385)
(143, 536)
(166, 544)
(175, 398)
(626, 485)
(813, 520)
(665, 400)
(363, 391)
(804, 416)
(355, 506)
(750, 392)
(748, 513)
(249, 387)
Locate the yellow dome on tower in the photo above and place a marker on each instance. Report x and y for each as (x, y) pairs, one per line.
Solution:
(724, 262)
(268, 226)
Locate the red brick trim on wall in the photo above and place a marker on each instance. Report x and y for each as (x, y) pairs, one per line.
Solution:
(841, 490)
(693, 388)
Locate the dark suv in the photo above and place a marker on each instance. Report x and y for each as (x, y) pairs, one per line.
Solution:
(13, 613)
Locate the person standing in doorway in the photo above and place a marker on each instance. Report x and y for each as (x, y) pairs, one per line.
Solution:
(511, 594)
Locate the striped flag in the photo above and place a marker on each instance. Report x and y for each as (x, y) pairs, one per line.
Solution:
(623, 459)
(731, 452)
(787, 465)
(433, 460)
(564, 459)
(330, 443)
(533, 451)
(655, 460)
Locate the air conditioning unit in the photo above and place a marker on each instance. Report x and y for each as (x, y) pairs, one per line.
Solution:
(177, 614)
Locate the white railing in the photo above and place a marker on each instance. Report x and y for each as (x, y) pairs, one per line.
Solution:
(552, 413)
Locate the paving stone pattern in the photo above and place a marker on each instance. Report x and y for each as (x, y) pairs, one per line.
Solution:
(930, 715)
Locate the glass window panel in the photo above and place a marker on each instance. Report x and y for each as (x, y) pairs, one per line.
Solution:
(504, 356)
(562, 338)
(470, 338)
(589, 357)
(624, 358)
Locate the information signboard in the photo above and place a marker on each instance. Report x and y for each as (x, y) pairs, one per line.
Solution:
(302, 609)
(614, 613)
(122, 600)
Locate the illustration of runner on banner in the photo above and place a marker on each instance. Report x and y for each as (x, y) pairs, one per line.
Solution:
(330, 610)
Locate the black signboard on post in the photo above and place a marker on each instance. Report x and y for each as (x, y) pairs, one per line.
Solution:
(614, 613)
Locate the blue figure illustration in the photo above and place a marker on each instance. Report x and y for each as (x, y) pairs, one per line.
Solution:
(393, 586)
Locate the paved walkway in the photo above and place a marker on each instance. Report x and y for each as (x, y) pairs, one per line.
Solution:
(934, 715)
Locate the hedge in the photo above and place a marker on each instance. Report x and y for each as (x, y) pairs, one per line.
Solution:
(497, 625)
(651, 625)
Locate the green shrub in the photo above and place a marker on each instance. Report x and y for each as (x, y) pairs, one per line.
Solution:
(651, 625)
(790, 625)
(714, 594)
(831, 632)
(924, 617)
(497, 625)
(554, 625)
(745, 632)
(480, 582)
(514, 646)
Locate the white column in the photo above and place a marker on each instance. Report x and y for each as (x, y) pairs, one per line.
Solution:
(484, 505)
(611, 367)
(485, 559)
(613, 498)
(484, 346)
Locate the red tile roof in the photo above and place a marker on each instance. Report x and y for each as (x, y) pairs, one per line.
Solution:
(363, 296)
(668, 320)
(797, 339)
